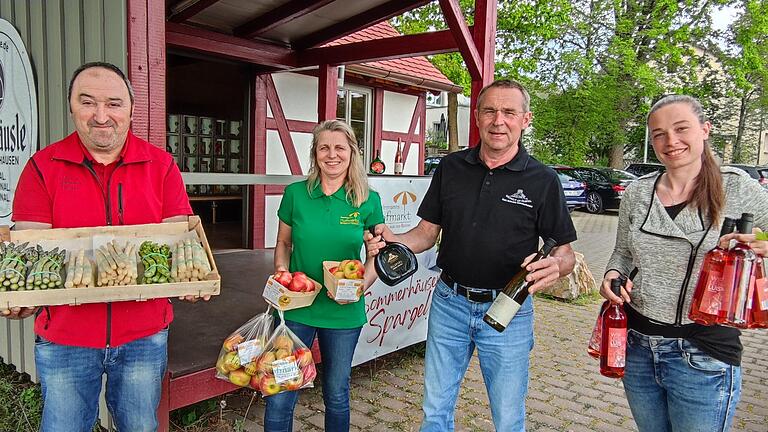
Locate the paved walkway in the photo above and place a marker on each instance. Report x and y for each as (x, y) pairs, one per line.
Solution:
(566, 391)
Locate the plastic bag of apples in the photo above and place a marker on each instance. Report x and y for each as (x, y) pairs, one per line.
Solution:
(285, 365)
(239, 354)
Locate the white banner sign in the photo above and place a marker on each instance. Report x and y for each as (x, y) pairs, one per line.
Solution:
(18, 115)
(397, 316)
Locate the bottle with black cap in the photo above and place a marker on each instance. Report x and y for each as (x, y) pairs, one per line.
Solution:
(708, 296)
(739, 279)
(511, 298)
(395, 262)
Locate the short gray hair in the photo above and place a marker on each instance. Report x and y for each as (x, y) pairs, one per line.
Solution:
(508, 84)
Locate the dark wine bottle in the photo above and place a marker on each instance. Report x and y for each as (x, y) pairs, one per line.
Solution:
(613, 346)
(509, 301)
(395, 262)
(708, 296)
(377, 165)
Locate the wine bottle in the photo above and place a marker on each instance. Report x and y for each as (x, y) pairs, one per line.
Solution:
(595, 340)
(613, 346)
(760, 297)
(377, 165)
(739, 278)
(511, 298)
(399, 159)
(708, 295)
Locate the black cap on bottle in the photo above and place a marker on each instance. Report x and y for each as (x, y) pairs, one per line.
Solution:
(728, 225)
(616, 286)
(549, 243)
(746, 222)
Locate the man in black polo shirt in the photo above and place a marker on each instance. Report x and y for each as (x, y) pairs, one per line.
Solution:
(493, 203)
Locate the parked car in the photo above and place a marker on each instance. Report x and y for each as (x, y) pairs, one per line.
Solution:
(758, 173)
(430, 164)
(575, 191)
(641, 169)
(602, 193)
(616, 175)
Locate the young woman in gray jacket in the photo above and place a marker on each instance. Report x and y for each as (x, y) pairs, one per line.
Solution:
(680, 376)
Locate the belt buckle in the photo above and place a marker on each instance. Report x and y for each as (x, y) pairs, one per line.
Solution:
(475, 292)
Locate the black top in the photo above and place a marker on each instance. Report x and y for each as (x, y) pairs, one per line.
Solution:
(720, 342)
(493, 218)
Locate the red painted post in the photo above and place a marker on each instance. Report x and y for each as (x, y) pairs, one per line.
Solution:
(258, 160)
(327, 87)
(485, 40)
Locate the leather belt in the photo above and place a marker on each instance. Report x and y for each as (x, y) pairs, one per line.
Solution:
(476, 295)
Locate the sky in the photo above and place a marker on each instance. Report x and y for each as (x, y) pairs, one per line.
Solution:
(722, 17)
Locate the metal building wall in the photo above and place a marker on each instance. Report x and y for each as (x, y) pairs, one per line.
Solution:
(60, 35)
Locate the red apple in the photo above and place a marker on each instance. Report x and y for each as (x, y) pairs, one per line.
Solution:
(268, 386)
(298, 283)
(230, 344)
(256, 381)
(264, 363)
(239, 377)
(283, 278)
(353, 269)
(310, 286)
(309, 373)
(294, 384)
(303, 357)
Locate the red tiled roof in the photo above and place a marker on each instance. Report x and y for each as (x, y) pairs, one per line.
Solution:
(418, 67)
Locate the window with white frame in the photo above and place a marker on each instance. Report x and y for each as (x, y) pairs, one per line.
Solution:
(353, 105)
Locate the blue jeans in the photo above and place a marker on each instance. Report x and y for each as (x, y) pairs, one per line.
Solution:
(71, 381)
(672, 386)
(336, 348)
(456, 327)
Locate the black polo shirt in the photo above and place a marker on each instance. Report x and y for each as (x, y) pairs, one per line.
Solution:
(493, 218)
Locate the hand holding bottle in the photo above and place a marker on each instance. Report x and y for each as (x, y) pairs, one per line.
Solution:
(544, 272)
(605, 288)
(373, 243)
(758, 241)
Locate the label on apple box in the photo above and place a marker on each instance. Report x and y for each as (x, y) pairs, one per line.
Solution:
(272, 291)
(285, 369)
(347, 289)
(248, 351)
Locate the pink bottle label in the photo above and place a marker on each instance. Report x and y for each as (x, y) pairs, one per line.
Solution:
(761, 294)
(712, 297)
(617, 347)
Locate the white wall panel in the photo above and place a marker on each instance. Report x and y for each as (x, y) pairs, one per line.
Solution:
(270, 220)
(298, 95)
(398, 110)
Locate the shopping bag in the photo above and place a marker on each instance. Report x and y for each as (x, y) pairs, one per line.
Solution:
(240, 351)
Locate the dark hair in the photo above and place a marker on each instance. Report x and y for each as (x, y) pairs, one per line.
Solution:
(508, 84)
(103, 65)
(708, 193)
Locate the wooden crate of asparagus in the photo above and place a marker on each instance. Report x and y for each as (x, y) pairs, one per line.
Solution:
(113, 263)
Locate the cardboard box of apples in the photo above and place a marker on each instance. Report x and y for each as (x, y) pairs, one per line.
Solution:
(285, 290)
(344, 279)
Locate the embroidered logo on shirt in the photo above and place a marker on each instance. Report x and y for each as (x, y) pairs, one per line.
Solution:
(518, 198)
(350, 219)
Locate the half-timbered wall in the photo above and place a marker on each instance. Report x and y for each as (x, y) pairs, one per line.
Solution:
(291, 100)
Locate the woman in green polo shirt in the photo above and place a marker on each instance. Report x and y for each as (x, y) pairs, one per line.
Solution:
(323, 219)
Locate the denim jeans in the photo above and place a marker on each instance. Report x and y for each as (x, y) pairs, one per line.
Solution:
(456, 327)
(672, 386)
(336, 348)
(71, 382)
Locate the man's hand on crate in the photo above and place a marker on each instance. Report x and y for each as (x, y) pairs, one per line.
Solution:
(194, 298)
(18, 312)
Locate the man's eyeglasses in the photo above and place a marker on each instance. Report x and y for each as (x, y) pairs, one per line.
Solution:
(491, 113)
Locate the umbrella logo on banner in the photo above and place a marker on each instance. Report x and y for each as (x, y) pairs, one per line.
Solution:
(404, 197)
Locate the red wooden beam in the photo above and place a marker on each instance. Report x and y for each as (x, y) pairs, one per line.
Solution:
(293, 126)
(138, 67)
(389, 48)
(457, 24)
(327, 86)
(209, 42)
(277, 16)
(156, 73)
(485, 41)
(258, 135)
(378, 118)
(282, 127)
(191, 10)
(365, 19)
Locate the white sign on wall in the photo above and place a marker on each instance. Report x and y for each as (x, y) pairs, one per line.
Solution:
(397, 316)
(18, 114)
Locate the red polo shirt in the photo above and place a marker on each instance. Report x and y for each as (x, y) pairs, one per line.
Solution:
(64, 186)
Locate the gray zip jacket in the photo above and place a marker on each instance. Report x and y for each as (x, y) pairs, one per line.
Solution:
(668, 253)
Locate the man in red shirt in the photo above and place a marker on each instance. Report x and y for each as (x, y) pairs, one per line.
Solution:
(100, 175)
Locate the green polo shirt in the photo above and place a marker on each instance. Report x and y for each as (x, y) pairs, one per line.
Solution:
(326, 228)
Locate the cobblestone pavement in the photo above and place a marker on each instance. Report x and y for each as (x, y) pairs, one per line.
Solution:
(566, 391)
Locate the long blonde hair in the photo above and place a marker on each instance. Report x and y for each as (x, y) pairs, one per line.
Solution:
(708, 194)
(356, 182)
